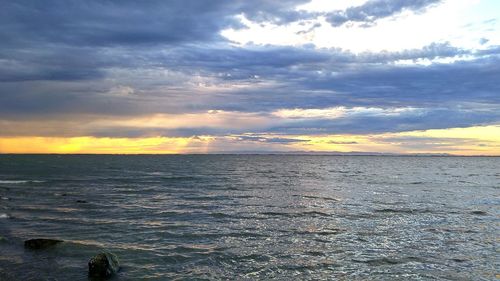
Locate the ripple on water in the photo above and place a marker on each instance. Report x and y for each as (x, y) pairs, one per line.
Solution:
(255, 217)
(389, 261)
(15, 182)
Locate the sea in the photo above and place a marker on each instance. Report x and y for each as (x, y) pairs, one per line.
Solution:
(252, 217)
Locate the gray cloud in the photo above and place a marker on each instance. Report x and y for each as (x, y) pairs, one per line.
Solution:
(368, 13)
(454, 95)
(69, 63)
(269, 140)
(362, 124)
(127, 22)
(342, 142)
(433, 144)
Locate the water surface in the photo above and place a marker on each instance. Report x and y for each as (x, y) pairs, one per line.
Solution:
(248, 217)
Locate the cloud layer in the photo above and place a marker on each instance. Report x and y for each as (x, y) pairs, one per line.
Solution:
(371, 11)
(163, 69)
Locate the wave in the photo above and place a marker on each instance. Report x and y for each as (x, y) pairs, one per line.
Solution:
(317, 197)
(406, 211)
(19, 181)
(389, 261)
(318, 232)
(294, 214)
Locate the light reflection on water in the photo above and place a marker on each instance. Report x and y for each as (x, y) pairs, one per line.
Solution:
(252, 217)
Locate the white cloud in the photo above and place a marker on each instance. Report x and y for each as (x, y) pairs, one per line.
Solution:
(463, 23)
(341, 111)
(329, 5)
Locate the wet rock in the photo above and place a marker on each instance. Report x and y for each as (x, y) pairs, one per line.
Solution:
(41, 243)
(104, 265)
(81, 201)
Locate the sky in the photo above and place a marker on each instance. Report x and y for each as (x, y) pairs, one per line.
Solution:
(191, 76)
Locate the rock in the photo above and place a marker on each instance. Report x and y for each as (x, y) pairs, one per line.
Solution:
(81, 201)
(36, 244)
(104, 265)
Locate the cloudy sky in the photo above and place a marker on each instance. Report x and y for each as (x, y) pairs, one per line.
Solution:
(191, 76)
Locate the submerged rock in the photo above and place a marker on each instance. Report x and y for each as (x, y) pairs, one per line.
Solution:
(40, 243)
(104, 265)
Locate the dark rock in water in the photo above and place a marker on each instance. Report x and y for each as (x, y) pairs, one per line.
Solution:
(81, 201)
(42, 243)
(479, 213)
(104, 265)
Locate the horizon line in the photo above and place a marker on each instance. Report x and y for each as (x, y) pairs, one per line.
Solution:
(236, 153)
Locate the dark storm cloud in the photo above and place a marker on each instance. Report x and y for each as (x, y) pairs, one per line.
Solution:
(373, 10)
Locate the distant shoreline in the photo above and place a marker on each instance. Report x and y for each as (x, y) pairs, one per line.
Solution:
(374, 154)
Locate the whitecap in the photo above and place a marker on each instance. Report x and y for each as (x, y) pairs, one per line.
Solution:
(18, 181)
(4, 216)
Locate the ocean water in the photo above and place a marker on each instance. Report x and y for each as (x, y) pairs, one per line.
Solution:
(252, 217)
